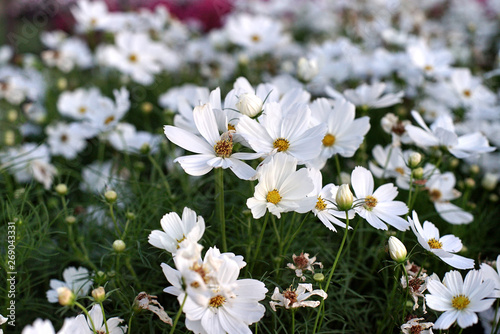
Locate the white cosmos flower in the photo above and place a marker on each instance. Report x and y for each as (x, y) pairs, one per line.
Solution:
(294, 298)
(379, 205)
(493, 275)
(90, 15)
(442, 190)
(344, 134)
(368, 96)
(77, 280)
(443, 247)
(282, 188)
(279, 130)
(175, 230)
(213, 150)
(442, 133)
(67, 139)
(217, 301)
(459, 299)
(39, 327)
(126, 138)
(325, 208)
(83, 324)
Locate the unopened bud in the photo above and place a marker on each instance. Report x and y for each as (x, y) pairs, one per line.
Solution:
(130, 215)
(110, 196)
(418, 173)
(65, 296)
(397, 250)
(454, 163)
(470, 183)
(62, 83)
(9, 138)
(12, 115)
(249, 104)
(119, 246)
(344, 198)
(307, 69)
(319, 277)
(147, 107)
(99, 294)
(71, 220)
(493, 198)
(62, 189)
(489, 181)
(474, 169)
(414, 160)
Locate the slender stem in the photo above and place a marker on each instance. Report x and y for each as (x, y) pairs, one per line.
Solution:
(162, 175)
(178, 314)
(259, 241)
(337, 163)
(406, 292)
(219, 198)
(295, 233)
(293, 320)
(111, 212)
(87, 315)
(339, 252)
(104, 318)
(130, 322)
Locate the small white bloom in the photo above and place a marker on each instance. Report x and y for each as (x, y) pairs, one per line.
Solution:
(294, 298)
(77, 280)
(415, 326)
(368, 96)
(301, 263)
(493, 275)
(443, 247)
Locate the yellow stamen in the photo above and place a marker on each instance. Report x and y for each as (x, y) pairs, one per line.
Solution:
(400, 170)
(216, 301)
(435, 244)
(328, 140)
(460, 302)
(133, 58)
(223, 148)
(467, 93)
(82, 110)
(281, 144)
(370, 202)
(273, 196)
(255, 38)
(109, 120)
(320, 204)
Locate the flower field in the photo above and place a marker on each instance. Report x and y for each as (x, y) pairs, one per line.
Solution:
(280, 166)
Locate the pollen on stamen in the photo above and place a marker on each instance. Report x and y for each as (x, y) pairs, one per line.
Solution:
(217, 301)
(291, 295)
(82, 110)
(400, 170)
(231, 127)
(273, 196)
(320, 204)
(133, 58)
(467, 93)
(328, 140)
(281, 144)
(435, 195)
(434, 244)
(109, 120)
(224, 148)
(255, 38)
(370, 202)
(460, 302)
(180, 240)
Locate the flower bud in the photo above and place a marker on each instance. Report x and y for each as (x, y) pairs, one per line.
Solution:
(307, 69)
(493, 198)
(470, 183)
(9, 138)
(397, 250)
(12, 115)
(489, 181)
(130, 215)
(414, 160)
(145, 148)
(474, 169)
(119, 246)
(344, 198)
(99, 294)
(71, 220)
(62, 83)
(319, 277)
(110, 196)
(418, 173)
(249, 104)
(62, 189)
(454, 163)
(147, 107)
(65, 296)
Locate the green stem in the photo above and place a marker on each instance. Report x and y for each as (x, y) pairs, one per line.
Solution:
(130, 322)
(162, 175)
(259, 241)
(87, 315)
(104, 318)
(293, 321)
(111, 212)
(295, 234)
(219, 198)
(178, 314)
(406, 292)
(337, 163)
(339, 252)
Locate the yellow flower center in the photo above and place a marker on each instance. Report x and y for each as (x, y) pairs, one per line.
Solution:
(216, 301)
(223, 148)
(435, 194)
(273, 196)
(328, 140)
(428, 68)
(320, 204)
(291, 295)
(255, 38)
(281, 144)
(133, 58)
(460, 302)
(400, 170)
(180, 240)
(370, 202)
(467, 93)
(230, 127)
(109, 120)
(82, 110)
(434, 244)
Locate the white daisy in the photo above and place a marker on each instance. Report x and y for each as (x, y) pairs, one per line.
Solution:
(344, 134)
(112, 324)
(66, 139)
(294, 298)
(368, 96)
(459, 299)
(77, 280)
(493, 275)
(282, 188)
(443, 247)
(379, 205)
(175, 230)
(214, 150)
